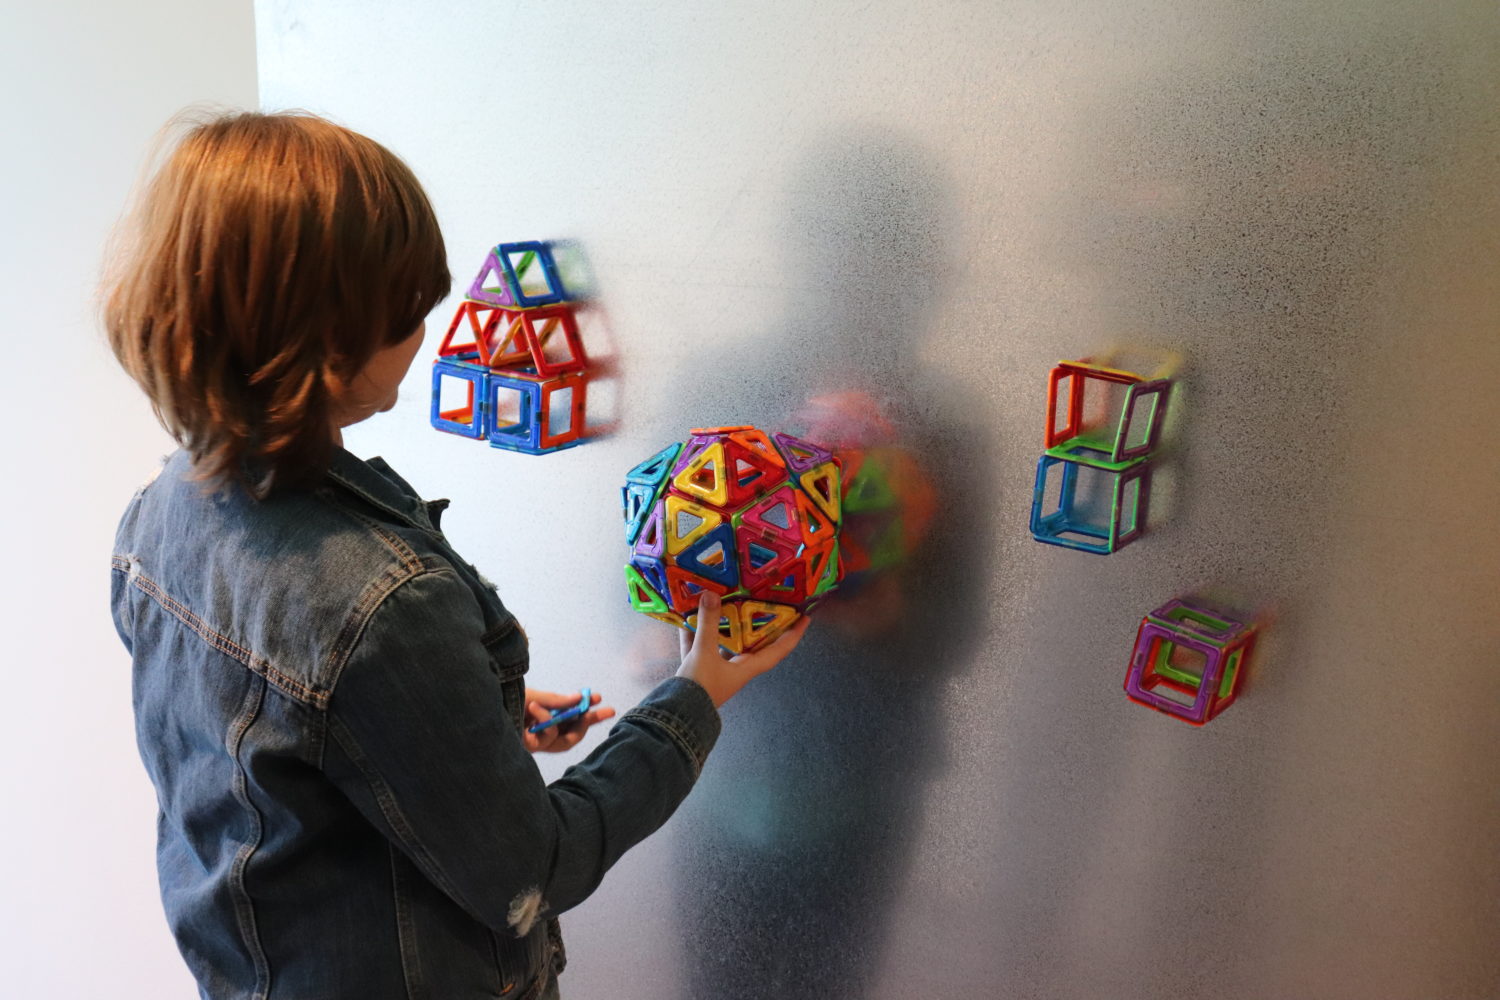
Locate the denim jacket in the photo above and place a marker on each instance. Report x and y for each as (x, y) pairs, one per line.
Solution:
(328, 701)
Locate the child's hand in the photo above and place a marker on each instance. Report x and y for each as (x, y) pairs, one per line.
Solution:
(565, 735)
(721, 676)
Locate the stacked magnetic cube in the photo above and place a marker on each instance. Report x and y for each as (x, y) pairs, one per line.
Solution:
(514, 352)
(1093, 483)
(1188, 661)
(750, 516)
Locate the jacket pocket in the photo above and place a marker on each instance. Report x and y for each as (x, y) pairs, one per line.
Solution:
(509, 659)
(522, 963)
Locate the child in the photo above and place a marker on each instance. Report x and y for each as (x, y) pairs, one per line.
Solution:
(328, 698)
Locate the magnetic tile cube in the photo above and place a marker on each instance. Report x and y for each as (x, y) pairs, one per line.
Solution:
(1189, 661)
(1103, 416)
(466, 417)
(513, 410)
(1082, 506)
(535, 414)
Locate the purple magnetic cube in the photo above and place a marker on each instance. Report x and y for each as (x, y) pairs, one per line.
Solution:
(1158, 677)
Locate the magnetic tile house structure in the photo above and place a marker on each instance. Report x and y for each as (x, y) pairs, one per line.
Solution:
(512, 369)
(1093, 483)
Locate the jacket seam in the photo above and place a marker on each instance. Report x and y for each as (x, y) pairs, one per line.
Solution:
(411, 962)
(497, 632)
(391, 539)
(372, 499)
(391, 810)
(256, 664)
(412, 565)
(244, 907)
(364, 609)
(671, 724)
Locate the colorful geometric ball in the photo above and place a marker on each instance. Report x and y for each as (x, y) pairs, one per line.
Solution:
(752, 517)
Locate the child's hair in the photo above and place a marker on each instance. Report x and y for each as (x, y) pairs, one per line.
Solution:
(268, 255)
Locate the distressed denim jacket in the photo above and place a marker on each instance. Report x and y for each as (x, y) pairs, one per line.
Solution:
(328, 700)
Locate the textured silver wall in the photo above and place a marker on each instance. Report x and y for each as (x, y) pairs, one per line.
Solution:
(931, 204)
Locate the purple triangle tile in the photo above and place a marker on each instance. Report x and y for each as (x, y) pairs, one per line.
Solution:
(491, 296)
(690, 450)
(789, 446)
(651, 541)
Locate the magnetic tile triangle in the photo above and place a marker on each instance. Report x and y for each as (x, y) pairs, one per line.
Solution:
(682, 513)
(822, 484)
(638, 499)
(755, 440)
(748, 471)
(500, 293)
(652, 570)
(789, 583)
(765, 557)
(683, 589)
(643, 597)
(690, 450)
(761, 621)
(833, 572)
(712, 557)
(505, 340)
(729, 628)
(453, 342)
(705, 476)
(800, 455)
(775, 514)
(818, 562)
(654, 470)
(558, 328)
(817, 529)
(652, 539)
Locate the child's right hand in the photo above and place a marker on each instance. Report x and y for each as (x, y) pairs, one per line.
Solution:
(723, 676)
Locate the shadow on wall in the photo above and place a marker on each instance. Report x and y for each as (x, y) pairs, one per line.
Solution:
(794, 847)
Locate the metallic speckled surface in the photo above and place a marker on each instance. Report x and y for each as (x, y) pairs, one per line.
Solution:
(932, 204)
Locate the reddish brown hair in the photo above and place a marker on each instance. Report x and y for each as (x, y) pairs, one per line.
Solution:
(269, 257)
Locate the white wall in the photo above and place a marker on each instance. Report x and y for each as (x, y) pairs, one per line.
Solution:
(933, 201)
(86, 85)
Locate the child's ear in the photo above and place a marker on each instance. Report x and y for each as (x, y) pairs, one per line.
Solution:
(343, 401)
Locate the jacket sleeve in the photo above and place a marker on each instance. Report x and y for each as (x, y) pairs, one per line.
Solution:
(418, 738)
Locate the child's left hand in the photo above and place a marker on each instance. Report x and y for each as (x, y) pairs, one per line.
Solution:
(564, 736)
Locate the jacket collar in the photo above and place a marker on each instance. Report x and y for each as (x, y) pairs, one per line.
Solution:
(377, 484)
